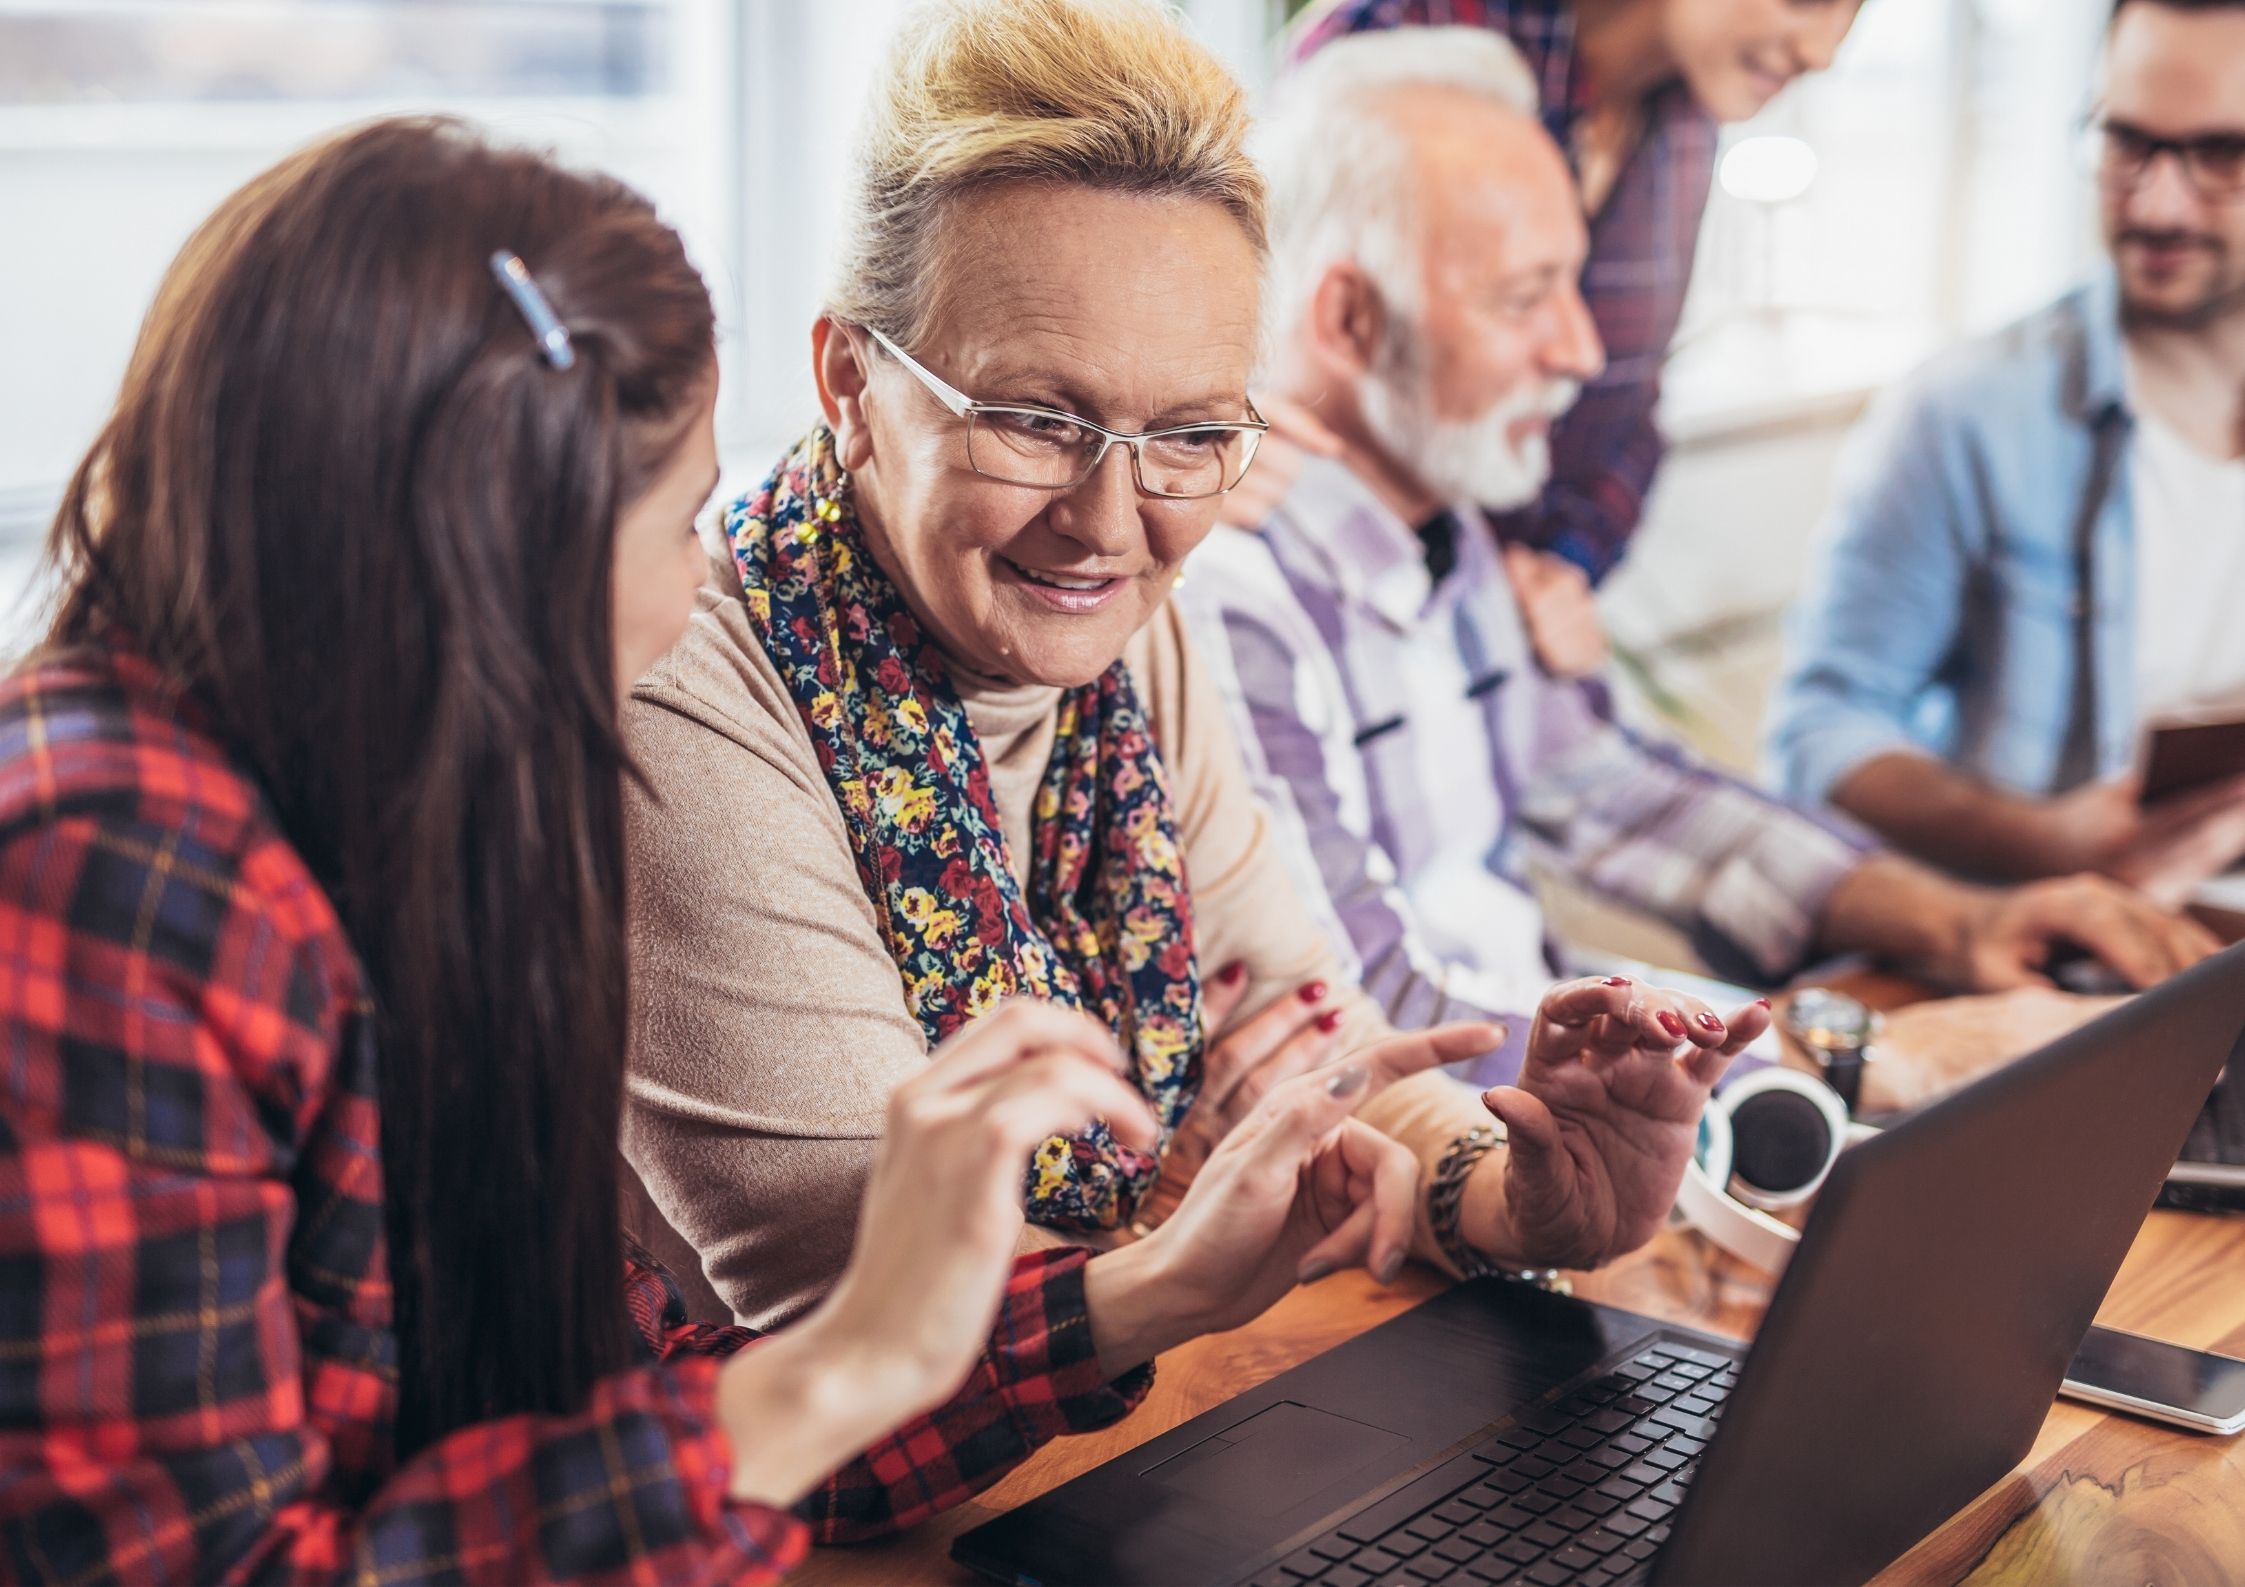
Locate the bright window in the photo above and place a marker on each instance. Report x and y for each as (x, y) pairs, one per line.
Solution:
(123, 122)
(1943, 200)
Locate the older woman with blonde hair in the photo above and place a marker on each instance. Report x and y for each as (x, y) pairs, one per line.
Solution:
(316, 995)
(937, 676)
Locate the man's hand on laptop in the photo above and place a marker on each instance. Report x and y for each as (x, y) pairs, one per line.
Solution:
(1991, 939)
(1603, 1120)
(2011, 937)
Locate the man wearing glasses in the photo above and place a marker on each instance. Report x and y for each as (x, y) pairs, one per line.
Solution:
(2040, 552)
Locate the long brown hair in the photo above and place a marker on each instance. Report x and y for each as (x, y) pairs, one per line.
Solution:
(346, 503)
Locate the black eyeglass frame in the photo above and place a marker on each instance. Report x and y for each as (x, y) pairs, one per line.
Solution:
(2099, 131)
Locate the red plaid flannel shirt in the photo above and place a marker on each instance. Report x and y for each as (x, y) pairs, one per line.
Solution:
(1606, 450)
(197, 1369)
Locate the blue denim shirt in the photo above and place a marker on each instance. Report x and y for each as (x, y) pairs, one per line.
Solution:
(1976, 600)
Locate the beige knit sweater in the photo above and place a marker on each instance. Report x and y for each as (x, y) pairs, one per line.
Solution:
(770, 1023)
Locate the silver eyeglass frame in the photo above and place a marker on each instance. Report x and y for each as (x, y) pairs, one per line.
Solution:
(965, 407)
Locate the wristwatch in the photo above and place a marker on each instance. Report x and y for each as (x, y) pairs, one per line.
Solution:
(1837, 1031)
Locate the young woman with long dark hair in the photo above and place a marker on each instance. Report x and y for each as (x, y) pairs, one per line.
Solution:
(313, 978)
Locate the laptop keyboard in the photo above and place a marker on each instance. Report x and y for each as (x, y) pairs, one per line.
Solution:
(1577, 1491)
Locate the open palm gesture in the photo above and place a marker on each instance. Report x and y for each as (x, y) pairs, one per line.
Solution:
(1606, 1111)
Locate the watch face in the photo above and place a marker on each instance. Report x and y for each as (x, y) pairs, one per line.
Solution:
(1829, 1021)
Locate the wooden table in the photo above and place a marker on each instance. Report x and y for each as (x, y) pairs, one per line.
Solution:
(2100, 1499)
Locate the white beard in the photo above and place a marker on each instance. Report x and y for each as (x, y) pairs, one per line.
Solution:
(1464, 460)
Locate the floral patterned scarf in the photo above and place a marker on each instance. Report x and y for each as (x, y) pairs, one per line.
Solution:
(1107, 924)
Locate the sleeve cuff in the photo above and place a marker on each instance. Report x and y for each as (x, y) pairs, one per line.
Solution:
(1809, 766)
(763, 1543)
(1042, 1351)
(657, 1310)
(1762, 912)
(1038, 1378)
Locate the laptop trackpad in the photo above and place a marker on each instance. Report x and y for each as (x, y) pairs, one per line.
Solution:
(1274, 1460)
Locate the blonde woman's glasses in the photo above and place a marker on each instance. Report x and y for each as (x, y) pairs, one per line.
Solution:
(1051, 450)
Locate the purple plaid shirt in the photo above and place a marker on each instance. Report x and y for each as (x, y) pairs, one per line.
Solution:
(1413, 756)
(1605, 452)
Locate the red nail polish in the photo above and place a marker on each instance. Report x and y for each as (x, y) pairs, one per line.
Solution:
(1329, 1021)
(1761, 1002)
(1671, 1024)
(1232, 974)
(1313, 992)
(1617, 980)
(1710, 1022)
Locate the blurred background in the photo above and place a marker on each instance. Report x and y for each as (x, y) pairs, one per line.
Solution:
(1926, 189)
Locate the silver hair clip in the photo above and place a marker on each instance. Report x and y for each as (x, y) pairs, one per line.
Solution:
(553, 336)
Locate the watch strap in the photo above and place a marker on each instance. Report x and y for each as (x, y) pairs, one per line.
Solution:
(1843, 1072)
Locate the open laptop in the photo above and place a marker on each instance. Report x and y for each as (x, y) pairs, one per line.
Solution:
(1500, 1434)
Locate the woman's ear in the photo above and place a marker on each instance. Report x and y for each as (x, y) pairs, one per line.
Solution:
(838, 360)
